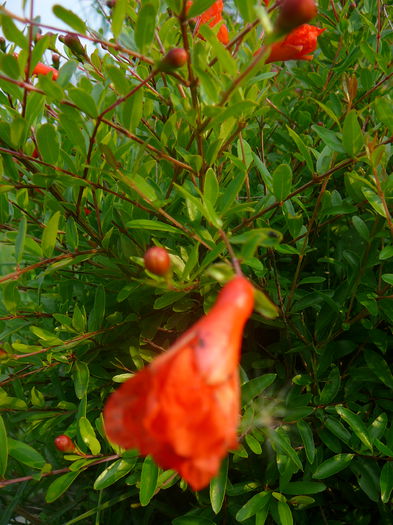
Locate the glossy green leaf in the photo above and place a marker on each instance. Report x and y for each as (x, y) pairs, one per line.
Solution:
(282, 181)
(60, 485)
(116, 470)
(48, 143)
(81, 375)
(253, 505)
(332, 386)
(332, 466)
(3, 448)
(118, 15)
(218, 487)
(303, 487)
(377, 364)
(279, 440)
(386, 481)
(149, 477)
(284, 513)
(306, 434)
(88, 436)
(49, 236)
(69, 18)
(356, 425)
(84, 101)
(145, 25)
(256, 386)
(25, 454)
(352, 134)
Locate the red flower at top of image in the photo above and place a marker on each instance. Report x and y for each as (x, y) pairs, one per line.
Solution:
(297, 45)
(184, 408)
(212, 16)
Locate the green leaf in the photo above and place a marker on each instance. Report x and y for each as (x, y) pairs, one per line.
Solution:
(302, 148)
(356, 425)
(282, 181)
(88, 436)
(387, 278)
(20, 239)
(3, 448)
(49, 236)
(383, 108)
(145, 25)
(148, 224)
(117, 470)
(218, 487)
(329, 138)
(211, 187)
(338, 429)
(277, 437)
(379, 367)
(253, 505)
(69, 18)
(198, 7)
(25, 454)
(332, 387)
(12, 33)
(256, 386)
(386, 481)
(118, 16)
(306, 434)
(81, 375)
(48, 143)
(149, 477)
(284, 513)
(60, 485)
(98, 313)
(332, 466)
(352, 134)
(84, 101)
(264, 305)
(386, 253)
(361, 228)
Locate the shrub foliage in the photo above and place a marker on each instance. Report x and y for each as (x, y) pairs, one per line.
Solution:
(292, 161)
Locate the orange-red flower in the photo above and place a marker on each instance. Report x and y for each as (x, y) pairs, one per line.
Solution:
(297, 45)
(42, 69)
(212, 16)
(183, 408)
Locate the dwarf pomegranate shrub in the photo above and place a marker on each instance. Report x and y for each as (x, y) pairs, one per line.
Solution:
(263, 150)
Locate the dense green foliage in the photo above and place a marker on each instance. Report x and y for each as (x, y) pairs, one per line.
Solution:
(293, 162)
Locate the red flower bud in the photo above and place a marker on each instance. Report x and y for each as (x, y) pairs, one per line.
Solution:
(64, 443)
(157, 260)
(175, 58)
(184, 408)
(294, 13)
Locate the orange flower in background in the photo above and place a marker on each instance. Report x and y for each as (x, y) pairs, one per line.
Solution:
(42, 69)
(212, 16)
(183, 409)
(297, 45)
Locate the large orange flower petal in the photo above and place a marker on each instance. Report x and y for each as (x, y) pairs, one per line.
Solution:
(183, 409)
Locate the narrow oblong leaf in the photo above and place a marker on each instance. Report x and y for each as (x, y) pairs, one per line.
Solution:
(256, 386)
(69, 18)
(253, 505)
(3, 448)
(113, 473)
(60, 485)
(386, 481)
(306, 434)
(218, 487)
(48, 240)
(88, 435)
(284, 513)
(282, 181)
(81, 375)
(356, 425)
(379, 367)
(332, 466)
(149, 477)
(25, 454)
(352, 134)
(145, 25)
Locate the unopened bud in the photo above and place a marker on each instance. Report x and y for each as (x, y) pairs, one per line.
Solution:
(294, 13)
(55, 60)
(64, 443)
(74, 44)
(175, 58)
(2, 44)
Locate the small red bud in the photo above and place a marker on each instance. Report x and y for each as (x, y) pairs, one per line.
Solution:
(294, 13)
(64, 443)
(157, 260)
(111, 3)
(175, 58)
(55, 60)
(35, 154)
